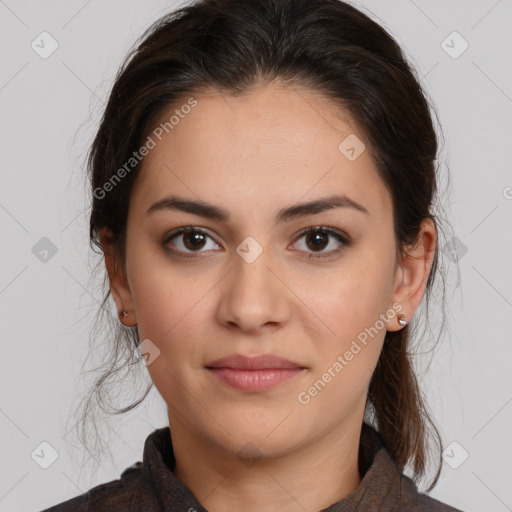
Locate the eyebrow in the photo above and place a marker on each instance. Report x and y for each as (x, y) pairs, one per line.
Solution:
(211, 211)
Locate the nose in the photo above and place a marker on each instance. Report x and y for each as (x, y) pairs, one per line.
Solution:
(254, 296)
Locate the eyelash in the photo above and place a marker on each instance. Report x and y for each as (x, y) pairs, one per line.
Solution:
(322, 229)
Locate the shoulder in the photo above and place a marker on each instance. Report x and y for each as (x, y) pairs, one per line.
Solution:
(116, 495)
(427, 503)
(420, 502)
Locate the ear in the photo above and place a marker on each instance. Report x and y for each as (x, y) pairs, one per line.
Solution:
(413, 271)
(118, 282)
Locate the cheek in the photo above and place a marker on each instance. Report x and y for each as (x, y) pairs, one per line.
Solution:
(165, 296)
(354, 297)
(347, 358)
(170, 313)
(351, 305)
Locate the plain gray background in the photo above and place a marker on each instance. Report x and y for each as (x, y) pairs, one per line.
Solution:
(49, 110)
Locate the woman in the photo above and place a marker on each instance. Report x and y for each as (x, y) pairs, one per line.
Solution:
(263, 181)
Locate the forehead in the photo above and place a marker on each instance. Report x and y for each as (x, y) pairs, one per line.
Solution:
(271, 146)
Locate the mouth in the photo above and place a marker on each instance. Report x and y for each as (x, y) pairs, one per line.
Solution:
(254, 373)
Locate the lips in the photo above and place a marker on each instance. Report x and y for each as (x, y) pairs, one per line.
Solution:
(254, 373)
(261, 362)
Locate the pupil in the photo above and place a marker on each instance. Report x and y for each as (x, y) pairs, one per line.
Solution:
(317, 238)
(196, 237)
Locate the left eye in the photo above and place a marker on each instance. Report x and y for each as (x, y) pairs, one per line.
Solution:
(317, 238)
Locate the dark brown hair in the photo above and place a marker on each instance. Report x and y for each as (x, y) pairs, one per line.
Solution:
(340, 53)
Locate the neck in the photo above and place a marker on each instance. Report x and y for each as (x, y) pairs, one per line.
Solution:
(311, 477)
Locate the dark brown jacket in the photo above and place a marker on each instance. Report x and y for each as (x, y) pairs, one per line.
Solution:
(150, 485)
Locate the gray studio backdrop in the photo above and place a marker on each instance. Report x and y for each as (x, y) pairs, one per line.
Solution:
(58, 62)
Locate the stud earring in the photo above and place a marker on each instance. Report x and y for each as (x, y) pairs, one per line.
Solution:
(401, 320)
(125, 314)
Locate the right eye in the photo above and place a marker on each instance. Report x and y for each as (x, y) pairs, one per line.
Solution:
(190, 240)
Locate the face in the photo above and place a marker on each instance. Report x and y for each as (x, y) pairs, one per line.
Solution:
(248, 281)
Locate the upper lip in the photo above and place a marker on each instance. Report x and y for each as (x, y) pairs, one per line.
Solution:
(259, 362)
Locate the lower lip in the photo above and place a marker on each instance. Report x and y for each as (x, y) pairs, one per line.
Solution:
(254, 380)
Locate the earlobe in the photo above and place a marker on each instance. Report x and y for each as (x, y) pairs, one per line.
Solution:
(118, 283)
(413, 272)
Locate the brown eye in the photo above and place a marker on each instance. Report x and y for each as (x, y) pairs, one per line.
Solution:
(194, 240)
(188, 240)
(318, 238)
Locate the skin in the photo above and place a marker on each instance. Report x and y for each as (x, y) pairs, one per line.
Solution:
(253, 155)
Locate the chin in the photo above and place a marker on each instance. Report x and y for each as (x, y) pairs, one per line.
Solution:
(269, 435)
(253, 445)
